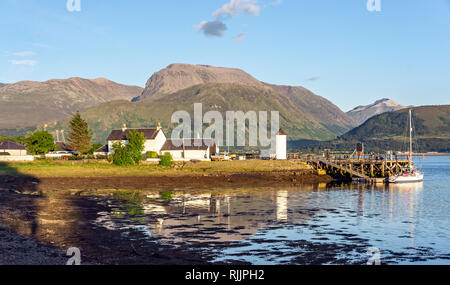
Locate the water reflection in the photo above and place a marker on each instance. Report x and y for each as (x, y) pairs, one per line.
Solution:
(301, 224)
(383, 215)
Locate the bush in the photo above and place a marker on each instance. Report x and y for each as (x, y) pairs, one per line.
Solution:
(40, 142)
(75, 158)
(166, 159)
(151, 154)
(122, 156)
(5, 153)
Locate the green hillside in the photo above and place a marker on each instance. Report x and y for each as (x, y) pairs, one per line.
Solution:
(214, 96)
(429, 121)
(389, 131)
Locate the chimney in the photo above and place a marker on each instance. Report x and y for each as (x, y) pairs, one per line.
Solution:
(124, 127)
(159, 126)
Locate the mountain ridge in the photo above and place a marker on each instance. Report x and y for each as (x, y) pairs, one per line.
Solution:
(389, 131)
(305, 114)
(178, 76)
(362, 113)
(220, 97)
(27, 103)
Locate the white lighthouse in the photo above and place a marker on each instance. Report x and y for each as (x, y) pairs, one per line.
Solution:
(281, 145)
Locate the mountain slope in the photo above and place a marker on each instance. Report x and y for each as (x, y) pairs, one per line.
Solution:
(429, 121)
(28, 103)
(214, 96)
(2, 85)
(304, 115)
(389, 131)
(322, 110)
(180, 76)
(362, 113)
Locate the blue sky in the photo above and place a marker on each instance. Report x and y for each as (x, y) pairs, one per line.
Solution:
(337, 49)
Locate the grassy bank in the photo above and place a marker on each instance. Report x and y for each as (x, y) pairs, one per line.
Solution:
(51, 168)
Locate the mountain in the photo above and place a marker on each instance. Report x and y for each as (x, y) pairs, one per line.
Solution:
(28, 103)
(2, 85)
(388, 131)
(176, 77)
(319, 108)
(303, 114)
(428, 121)
(362, 113)
(214, 96)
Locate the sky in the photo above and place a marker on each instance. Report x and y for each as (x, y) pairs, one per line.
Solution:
(345, 51)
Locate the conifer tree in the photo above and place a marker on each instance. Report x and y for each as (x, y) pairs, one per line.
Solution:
(79, 136)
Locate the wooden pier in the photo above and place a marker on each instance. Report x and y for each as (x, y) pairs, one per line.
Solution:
(371, 170)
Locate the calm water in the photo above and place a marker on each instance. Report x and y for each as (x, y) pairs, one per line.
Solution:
(321, 224)
(311, 224)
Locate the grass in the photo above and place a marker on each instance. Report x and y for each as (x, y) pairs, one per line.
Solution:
(55, 168)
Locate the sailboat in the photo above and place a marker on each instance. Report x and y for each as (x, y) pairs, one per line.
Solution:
(410, 174)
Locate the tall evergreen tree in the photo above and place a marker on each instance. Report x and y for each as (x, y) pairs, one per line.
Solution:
(79, 136)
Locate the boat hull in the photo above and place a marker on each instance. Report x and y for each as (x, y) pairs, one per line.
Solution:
(406, 178)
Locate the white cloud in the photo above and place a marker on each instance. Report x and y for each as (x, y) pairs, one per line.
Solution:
(23, 62)
(239, 38)
(24, 53)
(235, 7)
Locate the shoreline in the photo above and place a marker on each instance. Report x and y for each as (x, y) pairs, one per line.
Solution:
(21, 246)
(34, 184)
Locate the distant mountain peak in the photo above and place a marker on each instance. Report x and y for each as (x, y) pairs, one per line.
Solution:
(178, 76)
(361, 113)
(316, 110)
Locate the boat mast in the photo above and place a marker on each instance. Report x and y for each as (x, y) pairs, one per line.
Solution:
(410, 139)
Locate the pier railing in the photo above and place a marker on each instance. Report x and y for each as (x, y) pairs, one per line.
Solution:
(363, 167)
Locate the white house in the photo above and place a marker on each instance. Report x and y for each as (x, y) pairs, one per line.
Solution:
(190, 149)
(12, 148)
(154, 139)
